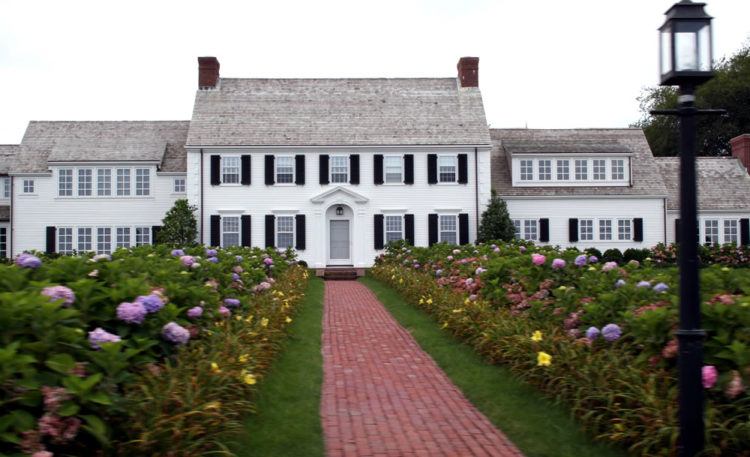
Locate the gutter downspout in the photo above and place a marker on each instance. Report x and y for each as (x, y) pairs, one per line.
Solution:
(201, 191)
(476, 194)
(10, 229)
(664, 204)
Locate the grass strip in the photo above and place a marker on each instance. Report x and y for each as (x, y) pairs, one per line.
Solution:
(287, 422)
(538, 426)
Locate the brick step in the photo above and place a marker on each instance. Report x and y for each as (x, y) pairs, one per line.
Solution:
(339, 274)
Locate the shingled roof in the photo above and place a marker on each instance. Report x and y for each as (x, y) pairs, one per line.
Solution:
(320, 112)
(646, 178)
(102, 141)
(723, 183)
(7, 155)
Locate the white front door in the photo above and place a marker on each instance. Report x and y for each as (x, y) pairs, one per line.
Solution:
(339, 249)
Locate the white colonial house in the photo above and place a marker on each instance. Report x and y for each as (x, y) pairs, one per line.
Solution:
(337, 168)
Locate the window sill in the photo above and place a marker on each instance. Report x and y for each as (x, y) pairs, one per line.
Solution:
(107, 198)
(285, 184)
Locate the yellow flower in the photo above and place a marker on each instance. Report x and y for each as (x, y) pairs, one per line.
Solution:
(619, 427)
(243, 358)
(264, 322)
(400, 280)
(281, 294)
(536, 336)
(543, 359)
(429, 301)
(445, 325)
(249, 318)
(393, 276)
(249, 379)
(458, 310)
(213, 405)
(288, 319)
(215, 367)
(421, 301)
(238, 317)
(467, 301)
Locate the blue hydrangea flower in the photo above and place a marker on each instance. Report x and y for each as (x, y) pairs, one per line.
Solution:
(661, 287)
(152, 303)
(611, 332)
(592, 333)
(581, 260)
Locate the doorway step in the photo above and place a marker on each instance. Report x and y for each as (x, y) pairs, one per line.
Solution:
(342, 273)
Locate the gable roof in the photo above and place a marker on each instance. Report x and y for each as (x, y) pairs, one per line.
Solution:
(645, 175)
(723, 183)
(102, 141)
(7, 157)
(328, 112)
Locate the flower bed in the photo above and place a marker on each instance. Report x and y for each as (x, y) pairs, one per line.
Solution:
(94, 350)
(597, 336)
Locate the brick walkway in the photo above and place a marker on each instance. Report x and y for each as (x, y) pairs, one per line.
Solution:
(384, 396)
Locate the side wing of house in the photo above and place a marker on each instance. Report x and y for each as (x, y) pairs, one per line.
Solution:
(7, 158)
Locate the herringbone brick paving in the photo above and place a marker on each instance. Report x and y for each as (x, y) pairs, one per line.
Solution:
(384, 396)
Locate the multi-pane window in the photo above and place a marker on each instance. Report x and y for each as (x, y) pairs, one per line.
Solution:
(285, 232)
(624, 229)
(84, 239)
(104, 240)
(284, 169)
(600, 169)
(28, 186)
(142, 181)
(123, 182)
(711, 231)
(585, 229)
(3, 242)
(230, 231)
(6, 187)
(730, 231)
(393, 169)
(122, 239)
(605, 229)
(545, 170)
(230, 170)
(447, 166)
(104, 182)
(339, 169)
(65, 240)
(563, 170)
(142, 236)
(65, 182)
(179, 185)
(581, 170)
(618, 169)
(527, 170)
(85, 182)
(448, 229)
(393, 228)
(517, 228)
(530, 229)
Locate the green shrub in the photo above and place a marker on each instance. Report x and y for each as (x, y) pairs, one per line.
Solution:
(613, 255)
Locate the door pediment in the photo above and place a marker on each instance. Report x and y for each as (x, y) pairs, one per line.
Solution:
(338, 193)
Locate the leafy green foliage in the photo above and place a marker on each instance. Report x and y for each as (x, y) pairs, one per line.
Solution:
(496, 223)
(179, 227)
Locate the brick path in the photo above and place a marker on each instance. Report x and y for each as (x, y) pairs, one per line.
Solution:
(384, 396)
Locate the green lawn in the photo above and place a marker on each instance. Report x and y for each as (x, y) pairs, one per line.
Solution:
(534, 423)
(287, 422)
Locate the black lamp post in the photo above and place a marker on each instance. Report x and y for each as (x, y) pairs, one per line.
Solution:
(685, 61)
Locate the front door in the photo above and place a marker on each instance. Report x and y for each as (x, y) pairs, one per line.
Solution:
(339, 243)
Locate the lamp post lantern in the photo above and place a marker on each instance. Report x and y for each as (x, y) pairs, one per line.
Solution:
(685, 61)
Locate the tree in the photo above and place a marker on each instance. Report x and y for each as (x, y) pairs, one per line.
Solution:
(729, 89)
(496, 223)
(179, 227)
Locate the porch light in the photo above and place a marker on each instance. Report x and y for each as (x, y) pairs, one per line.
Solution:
(339, 211)
(685, 45)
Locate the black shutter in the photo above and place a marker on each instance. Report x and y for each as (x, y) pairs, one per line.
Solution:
(676, 230)
(354, 169)
(323, 169)
(378, 231)
(51, 242)
(299, 169)
(431, 168)
(463, 168)
(463, 228)
(409, 169)
(270, 171)
(638, 229)
(744, 231)
(544, 230)
(245, 180)
(432, 228)
(270, 229)
(409, 228)
(215, 170)
(155, 233)
(378, 169)
(300, 232)
(573, 230)
(215, 230)
(246, 230)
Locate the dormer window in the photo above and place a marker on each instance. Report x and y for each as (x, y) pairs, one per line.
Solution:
(563, 170)
(527, 170)
(570, 170)
(545, 170)
(600, 169)
(581, 170)
(618, 169)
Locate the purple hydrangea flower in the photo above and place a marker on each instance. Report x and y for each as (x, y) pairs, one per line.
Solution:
(580, 260)
(480, 270)
(100, 336)
(450, 257)
(620, 283)
(132, 313)
(593, 259)
(235, 277)
(211, 253)
(60, 293)
(224, 311)
(611, 332)
(268, 261)
(187, 260)
(558, 264)
(28, 261)
(152, 303)
(438, 273)
(175, 333)
(195, 312)
(592, 333)
(231, 302)
(262, 286)
(522, 249)
(238, 258)
(497, 249)
(661, 287)
(178, 253)
(213, 259)
(643, 284)
(609, 266)
(416, 265)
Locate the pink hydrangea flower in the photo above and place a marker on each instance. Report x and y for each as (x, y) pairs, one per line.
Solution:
(558, 264)
(538, 259)
(609, 266)
(224, 311)
(195, 312)
(175, 333)
(100, 336)
(187, 260)
(735, 386)
(60, 293)
(709, 376)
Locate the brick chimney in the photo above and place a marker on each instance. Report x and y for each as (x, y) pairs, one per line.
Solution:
(468, 71)
(741, 149)
(208, 72)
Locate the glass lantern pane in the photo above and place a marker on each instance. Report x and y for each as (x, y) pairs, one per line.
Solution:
(686, 51)
(665, 50)
(704, 48)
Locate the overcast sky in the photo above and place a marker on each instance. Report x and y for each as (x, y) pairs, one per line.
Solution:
(543, 63)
